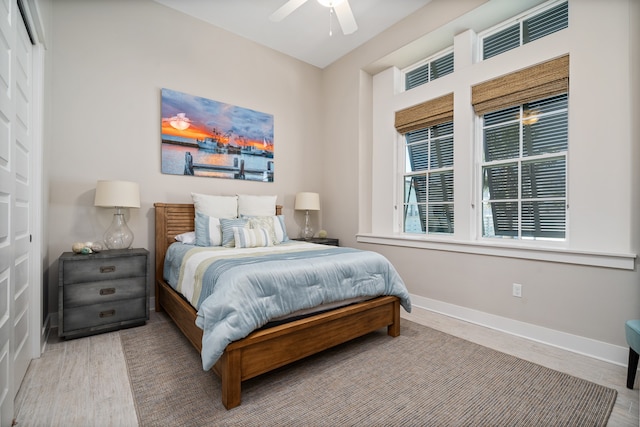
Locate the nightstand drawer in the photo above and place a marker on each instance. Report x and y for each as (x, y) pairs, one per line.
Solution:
(91, 316)
(103, 292)
(93, 270)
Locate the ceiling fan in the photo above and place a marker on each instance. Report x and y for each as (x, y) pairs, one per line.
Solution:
(341, 8)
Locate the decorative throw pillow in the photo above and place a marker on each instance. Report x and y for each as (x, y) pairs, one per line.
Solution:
(249, 205)
(208, 231)
(251, 237)
(188, 238)
(266, 223)
(274, 224)
(216, 206)
(228, 239)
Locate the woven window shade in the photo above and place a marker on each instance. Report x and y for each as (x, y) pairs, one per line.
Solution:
(430, 113)
(540, 81)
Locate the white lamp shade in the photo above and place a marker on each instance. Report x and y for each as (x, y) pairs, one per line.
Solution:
(307, 202)
(124, 194)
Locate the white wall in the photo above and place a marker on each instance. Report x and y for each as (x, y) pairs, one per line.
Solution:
(110, 61)
(584, 301)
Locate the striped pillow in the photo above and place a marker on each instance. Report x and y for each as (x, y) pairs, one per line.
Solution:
(274, 224)
(208, 231)
(227, 225)
(251, 237)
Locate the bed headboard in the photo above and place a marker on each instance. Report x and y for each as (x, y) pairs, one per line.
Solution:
(173, 219)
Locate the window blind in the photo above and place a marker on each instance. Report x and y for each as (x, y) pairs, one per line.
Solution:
(417, 77)
(429, 193)
(536, 26)
(429, 113)
(540, 81)
(524, 170)
(545, 23)
(430, 71)
(505, 40)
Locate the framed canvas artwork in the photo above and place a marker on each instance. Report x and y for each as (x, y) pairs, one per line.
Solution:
(203, 137)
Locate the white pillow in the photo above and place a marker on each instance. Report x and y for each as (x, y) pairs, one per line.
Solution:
(216, 206)
(256, 205)
(188, 238)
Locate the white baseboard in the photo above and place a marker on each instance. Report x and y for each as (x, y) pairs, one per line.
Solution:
(45, 331)
(586, 346)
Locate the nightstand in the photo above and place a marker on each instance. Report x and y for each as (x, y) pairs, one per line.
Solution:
(321, 240)
(102, 292)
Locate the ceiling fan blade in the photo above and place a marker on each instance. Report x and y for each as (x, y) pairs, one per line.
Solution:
(286, 9)
(345, 18)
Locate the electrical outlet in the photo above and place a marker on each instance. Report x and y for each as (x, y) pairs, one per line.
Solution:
(517, 290)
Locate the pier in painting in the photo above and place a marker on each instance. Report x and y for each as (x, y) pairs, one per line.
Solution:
(189, 159)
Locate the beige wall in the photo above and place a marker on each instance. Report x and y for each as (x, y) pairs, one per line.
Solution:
(110, 60)
(109, 63)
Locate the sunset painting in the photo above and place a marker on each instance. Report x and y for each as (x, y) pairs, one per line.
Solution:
(202, 137)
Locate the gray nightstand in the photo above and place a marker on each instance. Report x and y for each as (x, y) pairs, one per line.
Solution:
(321, 240)
(102, 291)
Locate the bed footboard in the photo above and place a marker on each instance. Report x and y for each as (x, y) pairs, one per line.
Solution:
(265, 350)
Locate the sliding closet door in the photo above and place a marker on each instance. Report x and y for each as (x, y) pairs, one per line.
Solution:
(16, 257)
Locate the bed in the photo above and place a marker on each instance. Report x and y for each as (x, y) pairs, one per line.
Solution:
(268, 348)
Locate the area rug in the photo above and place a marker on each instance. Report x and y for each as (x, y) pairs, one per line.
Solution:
(421, 378)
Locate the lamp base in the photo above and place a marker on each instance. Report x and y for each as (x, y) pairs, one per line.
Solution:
(307, 231)
(118, 235)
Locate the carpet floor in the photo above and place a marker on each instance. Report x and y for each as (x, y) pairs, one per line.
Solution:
(422, 378)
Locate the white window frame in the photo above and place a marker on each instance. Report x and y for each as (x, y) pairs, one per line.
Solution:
(425, 61)
(478, 177)
(403, 175)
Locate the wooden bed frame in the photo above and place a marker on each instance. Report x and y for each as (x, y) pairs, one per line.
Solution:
(265, 349)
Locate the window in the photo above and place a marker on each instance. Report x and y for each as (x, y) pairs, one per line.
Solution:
(524, 176)
(524, 150)
(545, 178)
(527, 29)
(428, 180)
(520, 178)
(434, 68)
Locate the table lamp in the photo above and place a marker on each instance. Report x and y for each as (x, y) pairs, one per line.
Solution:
(307, 202)
(118, 195)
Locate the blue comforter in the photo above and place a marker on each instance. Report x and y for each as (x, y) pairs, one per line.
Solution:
(240, 295)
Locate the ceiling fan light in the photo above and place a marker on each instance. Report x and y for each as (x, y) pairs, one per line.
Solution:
(330, 3)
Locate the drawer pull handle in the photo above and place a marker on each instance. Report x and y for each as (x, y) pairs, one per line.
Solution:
(107, 313)
(107, 291)
(108, 269)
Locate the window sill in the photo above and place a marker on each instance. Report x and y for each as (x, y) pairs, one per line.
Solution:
(566, 256)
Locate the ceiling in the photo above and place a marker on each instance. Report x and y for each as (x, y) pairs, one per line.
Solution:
(304, 34)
